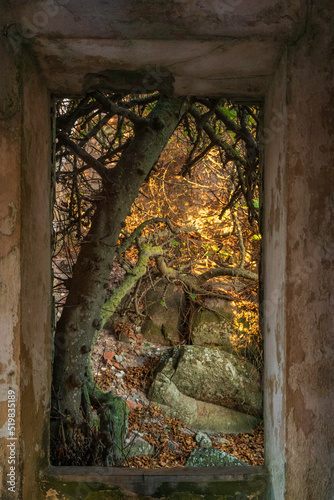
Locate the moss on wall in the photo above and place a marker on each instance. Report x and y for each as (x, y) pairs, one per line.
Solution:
(255, 489)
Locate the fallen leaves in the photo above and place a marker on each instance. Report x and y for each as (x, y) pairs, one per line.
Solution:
(131, 404)
(167, 435)
(172, 441)
(109, 355)
(141, 377)
(246, 447)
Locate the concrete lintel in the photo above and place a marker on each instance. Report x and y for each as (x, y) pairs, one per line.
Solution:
(229, 66)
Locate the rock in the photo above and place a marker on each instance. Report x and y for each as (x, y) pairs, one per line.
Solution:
(123, 337)
(136, 445)
(198, 415)
(203, 440)
(189, 432)
(220, 440)
(174, 447)
(164, 310)
(211, 457)
(214, 376)
(214, 326)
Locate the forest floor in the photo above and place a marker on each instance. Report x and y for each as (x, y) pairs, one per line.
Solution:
(126, 367)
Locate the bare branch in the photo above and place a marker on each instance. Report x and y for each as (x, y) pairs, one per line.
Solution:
(191, 162)
(228, 271)
(85, 157)
(229, 150)
(155, 220)
(109, 107)
(96, 129)
(67, 120)
(241, 240)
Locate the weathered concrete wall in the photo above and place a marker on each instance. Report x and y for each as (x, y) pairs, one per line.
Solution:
(209, 46)
(25, 360)
(273, 145)
(160, 20)
(299, 252)
(35, 273)
(10, 235)
(310, 259)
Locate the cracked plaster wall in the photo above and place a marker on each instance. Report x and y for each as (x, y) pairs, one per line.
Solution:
(274, 278)
(207, 45)
(25, 285)
(310, 261)
(298, 266)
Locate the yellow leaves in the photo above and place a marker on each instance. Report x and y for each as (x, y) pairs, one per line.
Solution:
(247, 335)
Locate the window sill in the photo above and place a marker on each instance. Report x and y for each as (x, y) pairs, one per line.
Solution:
(240, 482)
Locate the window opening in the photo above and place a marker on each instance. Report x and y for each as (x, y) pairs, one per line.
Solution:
(158, 352)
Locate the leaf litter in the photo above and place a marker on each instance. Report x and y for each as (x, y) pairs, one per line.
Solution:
(127, 369)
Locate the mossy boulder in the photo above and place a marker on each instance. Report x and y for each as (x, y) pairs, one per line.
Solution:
(211, 457)
(198, 415)
(136, 446)
(213, 325)
(214, 376)
(164, 308)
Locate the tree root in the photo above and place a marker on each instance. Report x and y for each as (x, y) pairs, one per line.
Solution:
(113, 424)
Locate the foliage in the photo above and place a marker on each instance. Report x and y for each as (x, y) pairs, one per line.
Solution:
(197, 182)
(196, 213)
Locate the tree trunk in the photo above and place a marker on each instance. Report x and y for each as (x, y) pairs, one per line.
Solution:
(81, 315)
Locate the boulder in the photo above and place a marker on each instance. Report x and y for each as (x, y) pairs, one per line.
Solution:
(164, 307)
(198, 415)
(214, 376)
(211, 457)
(136, 445)
(203, 440)
(214, 325)
(174, 447)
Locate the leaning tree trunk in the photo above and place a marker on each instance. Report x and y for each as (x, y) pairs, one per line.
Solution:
(82, 312)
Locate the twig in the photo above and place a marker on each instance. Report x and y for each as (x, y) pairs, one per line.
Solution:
(85, 157)
(241, 240)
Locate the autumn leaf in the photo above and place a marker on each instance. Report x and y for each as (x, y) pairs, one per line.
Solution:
(109, 355)
(131, 404)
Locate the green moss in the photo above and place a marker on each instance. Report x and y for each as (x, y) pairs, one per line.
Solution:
(137, 272)
(236, 490)
(71, 490)
(242, 490)
(121, 80)
(115, 495)
(211, 457)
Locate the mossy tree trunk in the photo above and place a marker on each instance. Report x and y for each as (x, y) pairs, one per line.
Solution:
(81, 315)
